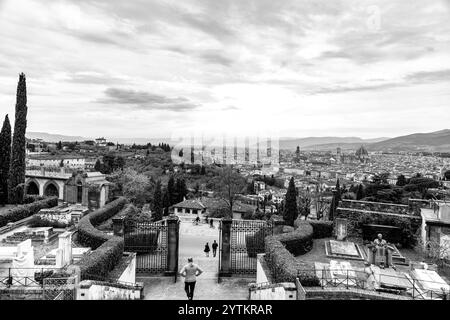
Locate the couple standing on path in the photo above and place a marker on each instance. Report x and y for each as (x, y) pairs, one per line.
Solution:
(214, 247)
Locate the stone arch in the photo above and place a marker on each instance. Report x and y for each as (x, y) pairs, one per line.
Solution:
(32, 187)
(51, 188)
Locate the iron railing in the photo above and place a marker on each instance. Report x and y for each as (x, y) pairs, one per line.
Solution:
(25, 277)
(407, 285)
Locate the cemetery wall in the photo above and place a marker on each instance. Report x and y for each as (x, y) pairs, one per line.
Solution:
(320, 293)
(97, 290)
(21, 293)
(380, 207)
(410, 225)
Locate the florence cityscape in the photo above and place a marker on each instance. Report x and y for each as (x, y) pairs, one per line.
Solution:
(233, 150)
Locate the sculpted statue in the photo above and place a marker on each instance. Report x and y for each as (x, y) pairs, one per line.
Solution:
(381, 252)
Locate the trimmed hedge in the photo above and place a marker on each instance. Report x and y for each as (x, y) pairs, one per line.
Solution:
(27, 210)
(108, 250)
(102, 260)
(281, 250)
(90, 236)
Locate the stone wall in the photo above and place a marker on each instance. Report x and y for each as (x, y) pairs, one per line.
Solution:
(410, 225)
(97, 290)
(22, 293)
(376, 206)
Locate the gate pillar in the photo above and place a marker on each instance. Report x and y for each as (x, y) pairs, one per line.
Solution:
(118, 226)
(172, 245)
(225, 250)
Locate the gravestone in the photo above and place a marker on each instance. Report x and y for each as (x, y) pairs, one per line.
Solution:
(341, 229)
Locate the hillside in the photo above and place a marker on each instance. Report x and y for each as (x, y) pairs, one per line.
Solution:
(433, 141)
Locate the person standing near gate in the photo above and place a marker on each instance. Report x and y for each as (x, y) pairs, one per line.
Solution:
(214, 247)
(190, 272)
(207, 249)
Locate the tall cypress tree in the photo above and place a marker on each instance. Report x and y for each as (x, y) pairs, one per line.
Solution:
(166, 203)
(5, 158)
(181, 189)
(16, 180)
(171, 190)
(158, 202)
(290, 212)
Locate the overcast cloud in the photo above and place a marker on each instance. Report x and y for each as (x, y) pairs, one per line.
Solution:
(144, 68)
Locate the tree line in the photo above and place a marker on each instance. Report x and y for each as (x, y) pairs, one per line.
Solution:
(12, 150)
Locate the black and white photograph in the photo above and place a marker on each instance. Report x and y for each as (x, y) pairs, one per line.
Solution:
(206, 151)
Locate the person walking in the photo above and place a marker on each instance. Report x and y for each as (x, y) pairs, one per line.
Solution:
(190, 272)
(211, 223)
(214, 247)
(207, 250)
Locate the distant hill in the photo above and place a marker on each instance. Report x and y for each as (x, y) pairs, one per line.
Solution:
(49, 137)
(330, 142)
(433, 141)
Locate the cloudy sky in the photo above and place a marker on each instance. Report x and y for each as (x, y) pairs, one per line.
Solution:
(144, 68)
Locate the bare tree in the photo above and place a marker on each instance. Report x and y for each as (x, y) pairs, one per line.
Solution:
(227, 185)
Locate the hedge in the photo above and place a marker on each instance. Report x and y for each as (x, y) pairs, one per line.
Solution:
(108, 250)
(27, 210)
(102, 260)
(281, 250)
(90, 236)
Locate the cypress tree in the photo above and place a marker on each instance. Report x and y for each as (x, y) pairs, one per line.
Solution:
(157, 202)
(5, 158)
(360, 192)
(16, 180)
(171, 190)
(290, 212)
(181, 190)
(166, 203)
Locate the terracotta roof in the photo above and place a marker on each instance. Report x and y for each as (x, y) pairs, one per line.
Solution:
(190, 204)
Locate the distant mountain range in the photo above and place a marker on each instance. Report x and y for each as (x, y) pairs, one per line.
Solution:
(50, 137)
(438, 141)
(291, 143)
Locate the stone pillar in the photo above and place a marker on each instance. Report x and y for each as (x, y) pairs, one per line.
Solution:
(65, 245)
(225, 252)
(118, 226)
(172, 241)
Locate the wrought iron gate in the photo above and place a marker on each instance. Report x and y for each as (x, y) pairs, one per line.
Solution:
(246, 241)
(150, 241)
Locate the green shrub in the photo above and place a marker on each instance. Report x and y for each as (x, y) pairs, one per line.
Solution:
(27, 210)
(37, 221)
(108, 250)
(107, 212)
(90, 236)
(102, 260)
(281, 250)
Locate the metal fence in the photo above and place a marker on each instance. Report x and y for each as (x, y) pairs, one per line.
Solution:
(63, 288)
(25, 277)
(405, 286)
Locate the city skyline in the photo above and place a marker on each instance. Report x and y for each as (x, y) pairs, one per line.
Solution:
(355, 68)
